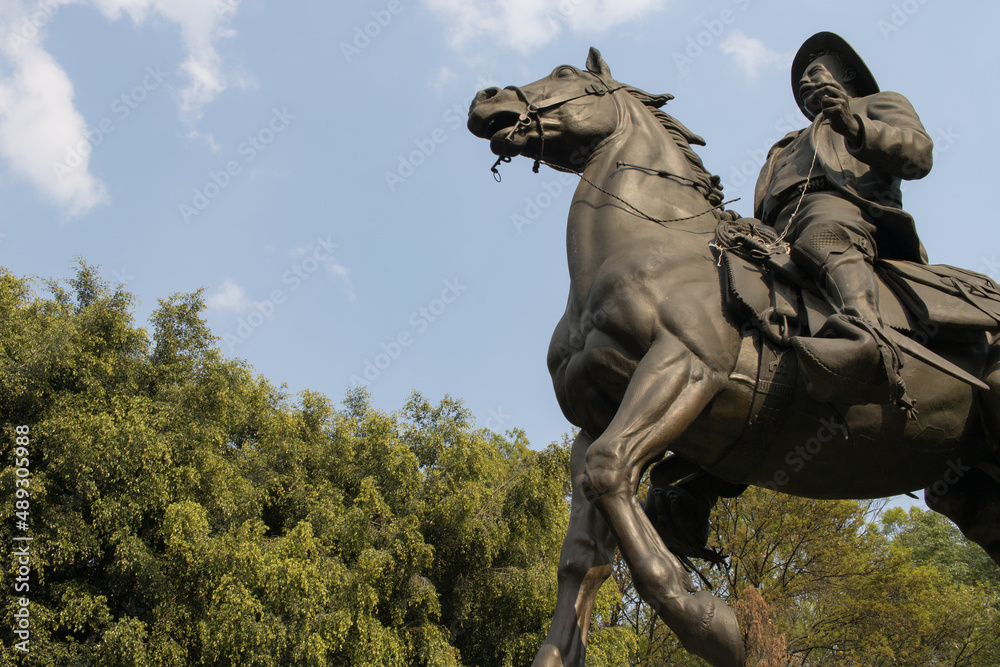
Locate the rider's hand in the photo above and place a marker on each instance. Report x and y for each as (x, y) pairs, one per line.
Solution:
(834, 100)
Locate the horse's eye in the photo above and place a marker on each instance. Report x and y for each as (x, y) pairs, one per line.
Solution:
(565, 71)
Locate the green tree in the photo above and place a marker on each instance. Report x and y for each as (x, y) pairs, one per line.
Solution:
(829, 583)
(935, 541)
(186, 511)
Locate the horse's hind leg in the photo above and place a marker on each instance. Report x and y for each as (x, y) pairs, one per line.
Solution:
(584, 564)
(971, 498)
(972, 502)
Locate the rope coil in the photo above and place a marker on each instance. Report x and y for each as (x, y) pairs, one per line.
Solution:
(750, 241)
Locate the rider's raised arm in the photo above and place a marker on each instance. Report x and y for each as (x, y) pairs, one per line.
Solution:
(893, 139)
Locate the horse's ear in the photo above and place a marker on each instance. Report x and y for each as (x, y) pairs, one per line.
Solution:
(596, 64)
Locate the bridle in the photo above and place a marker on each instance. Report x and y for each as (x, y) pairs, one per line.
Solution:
(532, 115)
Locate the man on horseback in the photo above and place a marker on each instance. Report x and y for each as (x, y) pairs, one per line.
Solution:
(833, 190)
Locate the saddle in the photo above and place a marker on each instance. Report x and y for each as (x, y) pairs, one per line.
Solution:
(921, 307)
(775, 300)
(924, 302)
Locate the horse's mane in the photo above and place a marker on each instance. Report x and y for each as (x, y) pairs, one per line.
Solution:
(683, 137)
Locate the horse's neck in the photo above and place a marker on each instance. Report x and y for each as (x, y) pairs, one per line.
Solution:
(601, 223)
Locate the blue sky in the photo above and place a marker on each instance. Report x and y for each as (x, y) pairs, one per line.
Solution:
(307, 163)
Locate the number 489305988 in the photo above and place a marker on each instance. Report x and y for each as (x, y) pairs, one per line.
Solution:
(22, 504)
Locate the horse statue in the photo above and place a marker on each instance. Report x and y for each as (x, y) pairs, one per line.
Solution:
(655, 366)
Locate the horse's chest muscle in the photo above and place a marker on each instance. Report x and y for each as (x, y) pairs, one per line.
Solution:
(620, 304)
(610, 322)
(615, 315)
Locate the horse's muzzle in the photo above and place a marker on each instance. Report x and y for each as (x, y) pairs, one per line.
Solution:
(493, 110)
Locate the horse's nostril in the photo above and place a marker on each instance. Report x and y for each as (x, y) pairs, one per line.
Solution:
(487, 93)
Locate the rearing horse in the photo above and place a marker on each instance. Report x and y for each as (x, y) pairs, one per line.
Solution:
(644, 361)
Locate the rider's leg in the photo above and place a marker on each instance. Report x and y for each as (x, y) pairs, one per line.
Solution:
(834, 243)
(851, 359)
(828, 252)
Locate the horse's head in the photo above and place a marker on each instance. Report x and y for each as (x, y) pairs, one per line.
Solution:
(559, 119)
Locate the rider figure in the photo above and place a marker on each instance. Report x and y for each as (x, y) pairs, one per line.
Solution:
(833, 189)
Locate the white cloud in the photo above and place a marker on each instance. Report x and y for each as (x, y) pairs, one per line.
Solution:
(43, 137)
(40, 128)
(329, 263)
(202, 23)
(528, 24)
(344, 274)
(229, 297)
(208, 138)
(442, 78)
(750, 54)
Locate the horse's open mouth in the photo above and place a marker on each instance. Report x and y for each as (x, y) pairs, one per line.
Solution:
(499, 122)
(497, 128)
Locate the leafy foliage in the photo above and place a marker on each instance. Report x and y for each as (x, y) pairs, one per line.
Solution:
(836, 583)
(935, 541)
(185, 511)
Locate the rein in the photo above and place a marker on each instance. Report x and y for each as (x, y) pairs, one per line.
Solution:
(662, 174)
(532, 115)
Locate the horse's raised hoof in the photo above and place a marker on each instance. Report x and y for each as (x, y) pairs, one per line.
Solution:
(711, 631)
(548, 656)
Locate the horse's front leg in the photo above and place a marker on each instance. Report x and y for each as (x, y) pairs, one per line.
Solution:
(670, 388)
(584, 564)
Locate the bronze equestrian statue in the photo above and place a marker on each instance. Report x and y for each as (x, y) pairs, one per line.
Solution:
(685, 325)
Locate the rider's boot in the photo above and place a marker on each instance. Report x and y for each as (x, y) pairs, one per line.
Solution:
(851, 359)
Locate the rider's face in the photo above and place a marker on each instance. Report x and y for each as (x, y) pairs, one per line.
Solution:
(824, 70)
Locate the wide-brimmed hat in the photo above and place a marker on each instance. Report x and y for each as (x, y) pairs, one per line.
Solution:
(864, 83)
